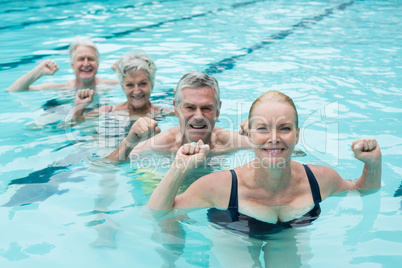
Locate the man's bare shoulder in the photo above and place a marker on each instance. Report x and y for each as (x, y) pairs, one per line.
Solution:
(224, 139)
(64, 85)
(167, 140)
(107, 82)
(164, 141)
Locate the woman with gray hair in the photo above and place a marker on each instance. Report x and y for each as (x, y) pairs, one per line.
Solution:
(136, 73)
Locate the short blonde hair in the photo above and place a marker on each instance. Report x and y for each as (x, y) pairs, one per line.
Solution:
(274, 96)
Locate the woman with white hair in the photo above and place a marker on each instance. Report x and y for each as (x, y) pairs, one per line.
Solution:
(84, 59)
(136, 73)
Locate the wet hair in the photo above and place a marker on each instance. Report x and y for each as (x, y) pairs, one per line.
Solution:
(82, 42)
(197, 80)
(274, 96)
(132, 62)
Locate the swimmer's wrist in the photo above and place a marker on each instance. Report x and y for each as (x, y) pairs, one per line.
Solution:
(38, 72)
(181, 166)
(374, 164)
(178, 166)
(178, 171)
(132, 139)
(77, 112)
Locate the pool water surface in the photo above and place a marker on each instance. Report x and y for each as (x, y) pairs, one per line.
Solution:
(61, 205)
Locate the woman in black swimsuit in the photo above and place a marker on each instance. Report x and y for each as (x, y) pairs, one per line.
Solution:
(270, 193)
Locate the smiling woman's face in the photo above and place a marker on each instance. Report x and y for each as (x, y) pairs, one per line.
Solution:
(273, 132)
(137, 87)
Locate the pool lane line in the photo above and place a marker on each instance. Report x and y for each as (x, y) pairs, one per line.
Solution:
(398, 192)
(77, 2)
(39, 176)
(39, 7)
(23, 24)
(230, 63)
(33, 58)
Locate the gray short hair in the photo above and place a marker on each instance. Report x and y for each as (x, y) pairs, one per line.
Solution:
(81, 42)
(197, 80)
(133, 62)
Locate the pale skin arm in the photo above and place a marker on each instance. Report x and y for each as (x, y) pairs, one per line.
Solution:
(244, 127)
(143, 128)
(114, 66)
(109, 82)
(241, 141)
(368, 151)
(163, 200)
(83, 98)
(365, 150)
(230, 139)
(47, 67)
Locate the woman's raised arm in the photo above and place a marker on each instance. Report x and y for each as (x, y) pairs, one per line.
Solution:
(365, 150)
(163, 200)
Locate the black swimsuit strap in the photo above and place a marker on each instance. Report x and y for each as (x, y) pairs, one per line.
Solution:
(315, 188)
(233, 201)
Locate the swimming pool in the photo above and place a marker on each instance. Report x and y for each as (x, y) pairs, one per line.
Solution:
(339, 60)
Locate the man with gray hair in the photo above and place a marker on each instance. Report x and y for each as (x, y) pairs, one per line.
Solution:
(197, 105)
(84, 59)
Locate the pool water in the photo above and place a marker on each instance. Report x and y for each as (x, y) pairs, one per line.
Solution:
(61, 205)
